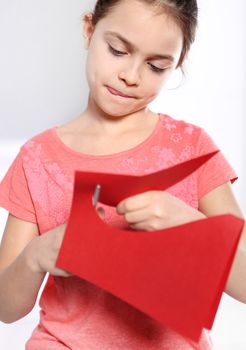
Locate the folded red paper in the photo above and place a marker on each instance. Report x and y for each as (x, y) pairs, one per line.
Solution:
(176, 275)
(116, 187)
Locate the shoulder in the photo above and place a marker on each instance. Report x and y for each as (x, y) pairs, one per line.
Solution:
(180, 132)
(39, 151)
(43, 142)
(172, 124)
(40, 138)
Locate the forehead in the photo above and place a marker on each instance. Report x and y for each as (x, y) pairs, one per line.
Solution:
(143, 26)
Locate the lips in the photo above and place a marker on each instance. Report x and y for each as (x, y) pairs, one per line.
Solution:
(118, 93)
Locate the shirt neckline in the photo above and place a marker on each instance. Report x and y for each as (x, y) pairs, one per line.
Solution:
(106, 156)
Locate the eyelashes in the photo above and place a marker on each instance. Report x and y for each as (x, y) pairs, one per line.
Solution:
(120, 53)
(116, 52)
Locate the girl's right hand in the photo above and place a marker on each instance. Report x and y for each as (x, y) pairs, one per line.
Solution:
(43, 250)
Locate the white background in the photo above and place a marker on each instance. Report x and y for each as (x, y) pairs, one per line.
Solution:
(42, 83)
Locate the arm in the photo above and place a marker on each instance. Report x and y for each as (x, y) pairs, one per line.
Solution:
(25, 257)
(222, 201)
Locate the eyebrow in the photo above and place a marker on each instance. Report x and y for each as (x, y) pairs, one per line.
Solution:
(129, 45)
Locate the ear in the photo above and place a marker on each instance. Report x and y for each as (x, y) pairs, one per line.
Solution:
(88, 29)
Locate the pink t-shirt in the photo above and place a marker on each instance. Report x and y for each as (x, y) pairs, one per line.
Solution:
(76, 314)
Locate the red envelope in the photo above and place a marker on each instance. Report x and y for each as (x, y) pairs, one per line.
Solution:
(176, 276)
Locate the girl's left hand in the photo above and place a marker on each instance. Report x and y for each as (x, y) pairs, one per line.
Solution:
(156, 210)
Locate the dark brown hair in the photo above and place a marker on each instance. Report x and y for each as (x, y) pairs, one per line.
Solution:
(184, 12)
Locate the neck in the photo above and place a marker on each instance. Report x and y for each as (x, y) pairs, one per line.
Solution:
(95, 117)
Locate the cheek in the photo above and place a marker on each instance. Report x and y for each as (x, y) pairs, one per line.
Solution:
(163, 81)
(96, 63)
(151, 87)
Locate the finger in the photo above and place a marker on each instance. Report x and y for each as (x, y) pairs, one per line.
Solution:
(136, 202)
(101, 212)
(143, 226)
(61, 273)
(137, 216)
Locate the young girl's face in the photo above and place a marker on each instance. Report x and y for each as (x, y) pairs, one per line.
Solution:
(139, 68)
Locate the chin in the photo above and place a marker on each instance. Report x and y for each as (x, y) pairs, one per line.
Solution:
(115, 110)
(114, 114)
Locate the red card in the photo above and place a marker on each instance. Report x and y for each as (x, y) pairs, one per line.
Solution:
(176, 275)
(116, 187)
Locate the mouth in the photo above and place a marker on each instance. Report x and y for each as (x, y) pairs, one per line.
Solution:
(118, 93)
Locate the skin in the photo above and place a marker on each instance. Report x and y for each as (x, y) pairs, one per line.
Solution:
(115, 123)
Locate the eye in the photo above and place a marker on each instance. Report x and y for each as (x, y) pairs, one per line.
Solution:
(115, 52)
(120, 53)
(156, 69)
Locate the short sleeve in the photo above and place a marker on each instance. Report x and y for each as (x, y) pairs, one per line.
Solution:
(216, 171)
(14, 192)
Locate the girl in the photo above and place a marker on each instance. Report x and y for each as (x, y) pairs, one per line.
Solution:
(133, 47)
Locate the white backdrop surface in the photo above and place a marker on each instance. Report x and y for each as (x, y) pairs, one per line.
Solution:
(42, 83)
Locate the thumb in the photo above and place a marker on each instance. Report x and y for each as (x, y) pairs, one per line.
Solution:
(101, 212)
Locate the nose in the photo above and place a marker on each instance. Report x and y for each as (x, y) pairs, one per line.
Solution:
(130, 75)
